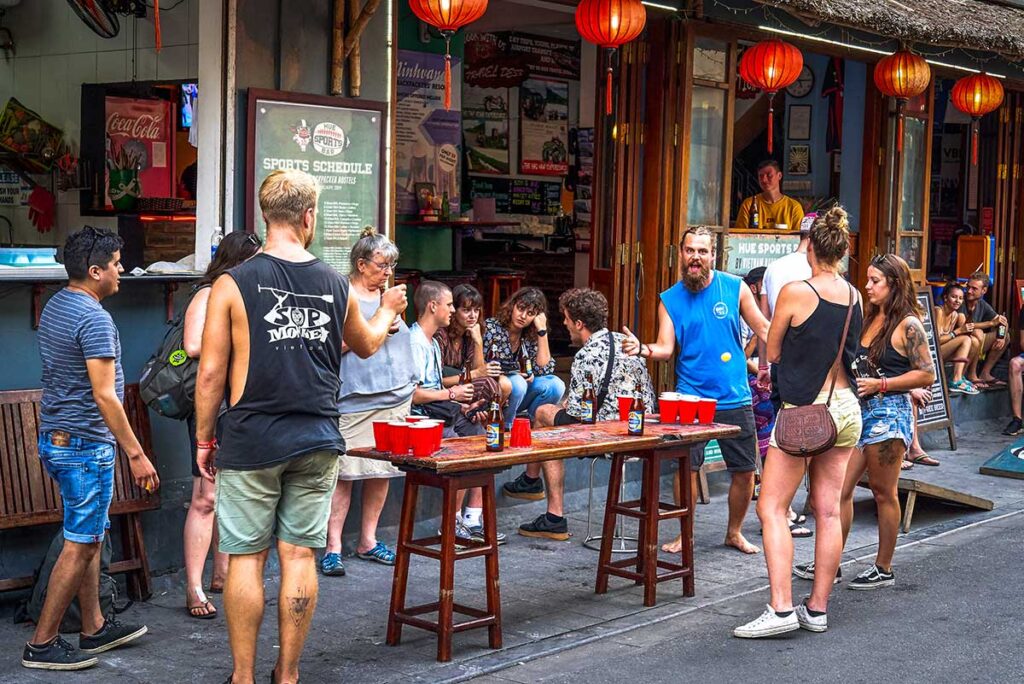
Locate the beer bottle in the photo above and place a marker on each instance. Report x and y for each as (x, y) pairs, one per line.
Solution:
(495, 430)
(525, 363)
(637, 412)
(755, 215)
(492, 353)
(466, 378)
(1001, 330)
(588, 402)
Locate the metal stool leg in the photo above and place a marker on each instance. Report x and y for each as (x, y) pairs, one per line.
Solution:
(593, 542)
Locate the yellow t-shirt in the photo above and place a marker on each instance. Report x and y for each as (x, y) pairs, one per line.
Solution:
(787, 210)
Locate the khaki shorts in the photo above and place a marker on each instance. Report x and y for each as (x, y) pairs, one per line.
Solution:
(290, 501)
(845, 412)
(357, 430)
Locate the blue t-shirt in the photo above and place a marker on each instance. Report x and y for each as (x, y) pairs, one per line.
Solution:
(426, 357)
(710, 362)
(73, 328)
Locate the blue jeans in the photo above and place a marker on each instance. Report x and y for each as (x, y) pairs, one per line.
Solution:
(84, 471)
(543, 389)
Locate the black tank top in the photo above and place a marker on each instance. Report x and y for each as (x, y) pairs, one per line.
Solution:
(809, 349)
(289, 406)
(891, 364)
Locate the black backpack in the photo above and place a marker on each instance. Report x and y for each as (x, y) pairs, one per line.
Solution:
(168, 381)
(31, 608)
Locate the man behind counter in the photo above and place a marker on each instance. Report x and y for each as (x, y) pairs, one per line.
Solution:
(772, 207)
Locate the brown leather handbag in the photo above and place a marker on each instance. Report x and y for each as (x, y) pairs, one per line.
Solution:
(809, 430)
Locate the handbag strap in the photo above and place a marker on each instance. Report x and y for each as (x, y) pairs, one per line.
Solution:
(603, 393)
(842, 345)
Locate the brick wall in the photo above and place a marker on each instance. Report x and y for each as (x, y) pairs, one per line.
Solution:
(168, 240)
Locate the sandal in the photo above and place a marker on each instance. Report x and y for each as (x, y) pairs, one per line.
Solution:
(922, 459)
(799, 531)
(906, 465)
(204, 604)
(379, 553)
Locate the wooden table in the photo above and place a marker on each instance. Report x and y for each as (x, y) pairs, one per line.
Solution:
(463, 463)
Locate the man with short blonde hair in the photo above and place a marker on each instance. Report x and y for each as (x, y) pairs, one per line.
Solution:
(286, 195)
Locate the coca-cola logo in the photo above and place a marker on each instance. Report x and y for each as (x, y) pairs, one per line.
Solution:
(142, 127)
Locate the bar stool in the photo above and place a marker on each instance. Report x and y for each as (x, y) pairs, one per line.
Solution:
(619, 535)
(497, 284)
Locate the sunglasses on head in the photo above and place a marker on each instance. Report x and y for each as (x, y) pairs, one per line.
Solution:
(254, 239)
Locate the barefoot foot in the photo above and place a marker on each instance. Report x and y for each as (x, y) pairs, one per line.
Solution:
(674, 546)
(738, 541)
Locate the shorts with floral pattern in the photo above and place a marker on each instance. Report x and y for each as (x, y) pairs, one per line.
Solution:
(886, 417)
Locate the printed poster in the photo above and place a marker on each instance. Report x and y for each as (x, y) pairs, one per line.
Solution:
(144, 128)
(341, 147)
(428, 138)
(544, 127)
(485, 129)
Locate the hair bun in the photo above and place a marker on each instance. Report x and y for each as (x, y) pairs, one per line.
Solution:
(368, 231)
(836, 218)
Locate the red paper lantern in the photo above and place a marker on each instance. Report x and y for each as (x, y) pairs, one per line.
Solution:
(771, 65)
(610, 24)
(448, 16)
(902, 75)
(977, 95)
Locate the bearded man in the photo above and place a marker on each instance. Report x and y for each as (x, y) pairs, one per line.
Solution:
(699, 317)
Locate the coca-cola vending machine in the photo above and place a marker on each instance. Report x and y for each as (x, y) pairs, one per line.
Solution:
(141, 132)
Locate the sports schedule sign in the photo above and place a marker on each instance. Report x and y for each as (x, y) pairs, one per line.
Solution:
(340, 143)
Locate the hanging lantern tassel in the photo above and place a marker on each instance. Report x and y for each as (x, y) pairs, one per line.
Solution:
(974, 141)
(447, 70)
(608, 83)
(899, 124)
(771, 122)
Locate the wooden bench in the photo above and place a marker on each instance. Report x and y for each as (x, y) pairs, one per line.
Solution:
(912, 487)
(29, 497)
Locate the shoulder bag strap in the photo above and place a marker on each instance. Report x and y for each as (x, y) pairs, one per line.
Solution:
(605, 384)
(842, 344)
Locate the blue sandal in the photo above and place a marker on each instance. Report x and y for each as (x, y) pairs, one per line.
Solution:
(379, 553)
(331, 565)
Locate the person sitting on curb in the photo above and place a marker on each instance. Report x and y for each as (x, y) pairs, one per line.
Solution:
(585, 316)
(982, 323)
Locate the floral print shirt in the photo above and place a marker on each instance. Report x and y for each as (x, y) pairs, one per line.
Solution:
(495, 334)
(592, 360)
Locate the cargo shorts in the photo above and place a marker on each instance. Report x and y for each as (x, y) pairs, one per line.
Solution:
(289, 500)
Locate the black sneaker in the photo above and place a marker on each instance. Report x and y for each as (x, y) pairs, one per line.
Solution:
(806, 572)
(476, 534)
(112, 635)
(57, 655)
(519, 488)
(541, 526)
(1014, 427)
(872, 578)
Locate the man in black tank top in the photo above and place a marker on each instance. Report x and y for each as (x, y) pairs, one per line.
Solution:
(273, 335)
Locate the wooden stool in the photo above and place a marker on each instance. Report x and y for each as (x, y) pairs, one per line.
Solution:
(497, 284)
(650, 510)
(445, 606)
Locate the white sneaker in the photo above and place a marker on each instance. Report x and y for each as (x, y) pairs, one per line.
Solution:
(812, 623)
(768, 624)
(806, 572)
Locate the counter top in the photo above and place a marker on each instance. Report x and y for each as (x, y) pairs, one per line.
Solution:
(6, 277)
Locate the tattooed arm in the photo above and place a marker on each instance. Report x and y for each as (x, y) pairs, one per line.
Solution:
(914, 345)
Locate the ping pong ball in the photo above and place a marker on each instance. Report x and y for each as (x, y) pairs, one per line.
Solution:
(726, 356)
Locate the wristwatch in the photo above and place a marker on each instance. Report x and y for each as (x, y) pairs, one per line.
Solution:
(542, 333)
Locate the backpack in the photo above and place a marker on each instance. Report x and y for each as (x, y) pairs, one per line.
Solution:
(31, 608)
(168, 381)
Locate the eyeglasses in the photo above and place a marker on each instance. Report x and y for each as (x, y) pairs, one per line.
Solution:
(384, 265)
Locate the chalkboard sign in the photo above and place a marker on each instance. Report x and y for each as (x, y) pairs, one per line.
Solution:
(340, 143)
(519, 196)
(936, 415)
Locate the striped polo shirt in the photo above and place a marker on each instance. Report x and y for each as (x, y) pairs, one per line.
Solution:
(73, 328)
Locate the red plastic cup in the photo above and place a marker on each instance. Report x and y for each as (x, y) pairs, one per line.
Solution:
(380, 436)
(706, 411)
(520, 433)
(398, 435)
(421, 437)
(688, 410)
(624, 404)
(415, 419)
(436, 431)
(669, 410)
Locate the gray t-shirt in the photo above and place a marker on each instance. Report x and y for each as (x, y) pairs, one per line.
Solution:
(983, 312)
(386, 379)
(73, 328)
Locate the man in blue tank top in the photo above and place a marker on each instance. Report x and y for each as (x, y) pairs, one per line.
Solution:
(699, 320)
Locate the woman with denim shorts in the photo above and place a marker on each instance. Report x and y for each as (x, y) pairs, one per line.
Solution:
(804, 340)
(893, 363)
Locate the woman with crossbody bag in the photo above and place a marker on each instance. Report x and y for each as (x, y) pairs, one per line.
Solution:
(813, 340)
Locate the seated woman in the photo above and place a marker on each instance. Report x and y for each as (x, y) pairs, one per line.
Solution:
(519, 332)
(462, 348)
(956, 345)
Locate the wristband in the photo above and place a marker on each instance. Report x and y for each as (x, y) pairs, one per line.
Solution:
(885, 384)
(451, 394)
(212, 444)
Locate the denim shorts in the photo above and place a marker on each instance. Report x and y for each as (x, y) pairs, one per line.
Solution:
(84, 471)
(887, 417)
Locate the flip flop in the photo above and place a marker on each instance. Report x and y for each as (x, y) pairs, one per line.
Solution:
(799, 531)
(212, 611)
(923, 459)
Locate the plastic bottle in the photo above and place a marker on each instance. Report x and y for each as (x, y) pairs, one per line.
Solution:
(215, 238)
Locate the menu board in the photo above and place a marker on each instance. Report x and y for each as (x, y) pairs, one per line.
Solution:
(519, 196)
(936, 415)
(340, 143)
